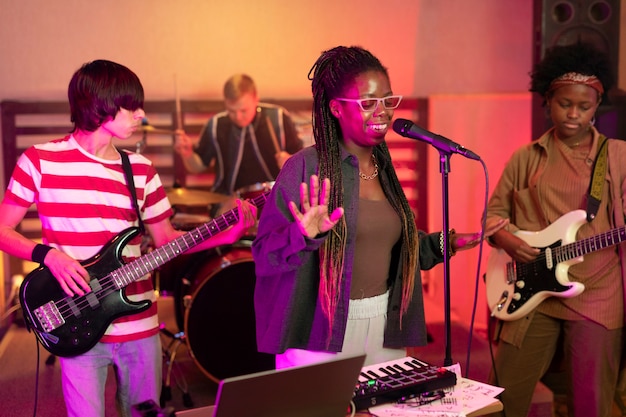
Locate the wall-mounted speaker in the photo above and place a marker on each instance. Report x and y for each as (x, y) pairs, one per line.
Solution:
(563, 22)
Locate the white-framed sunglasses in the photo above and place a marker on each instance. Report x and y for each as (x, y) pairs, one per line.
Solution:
(370, 104)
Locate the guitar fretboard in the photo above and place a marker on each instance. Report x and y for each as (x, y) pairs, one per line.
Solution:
(133, 270)
(588, 245)
(147, 263)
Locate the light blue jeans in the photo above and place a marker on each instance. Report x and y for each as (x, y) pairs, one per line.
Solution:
(138, 372)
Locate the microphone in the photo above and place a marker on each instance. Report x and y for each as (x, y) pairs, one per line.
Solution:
(410, 130)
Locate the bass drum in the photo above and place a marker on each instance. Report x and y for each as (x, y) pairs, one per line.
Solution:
(219, 316)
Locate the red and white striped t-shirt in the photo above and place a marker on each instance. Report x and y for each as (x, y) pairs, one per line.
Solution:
(83, 202)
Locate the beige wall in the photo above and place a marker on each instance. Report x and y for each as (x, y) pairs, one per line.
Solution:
(432, 47)
(621, 73)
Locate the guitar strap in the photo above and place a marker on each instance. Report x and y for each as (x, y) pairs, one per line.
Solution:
(128, 173)
(597, 179)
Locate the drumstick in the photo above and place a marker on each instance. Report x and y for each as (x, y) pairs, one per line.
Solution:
(179, 112)
(180, 177)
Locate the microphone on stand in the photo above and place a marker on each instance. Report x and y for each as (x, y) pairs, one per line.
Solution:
(410, 130)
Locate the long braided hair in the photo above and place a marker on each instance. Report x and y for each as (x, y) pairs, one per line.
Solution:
(334, 71)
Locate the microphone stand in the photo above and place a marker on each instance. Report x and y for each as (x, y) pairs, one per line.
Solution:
(444, 168)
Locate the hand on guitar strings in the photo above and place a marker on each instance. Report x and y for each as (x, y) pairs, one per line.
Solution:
(314, 218)
(247, 219)
(515, 247)
(71, 275)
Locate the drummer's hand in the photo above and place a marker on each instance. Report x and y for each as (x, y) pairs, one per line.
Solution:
(314, 218)
(281, 158)
(183, 144)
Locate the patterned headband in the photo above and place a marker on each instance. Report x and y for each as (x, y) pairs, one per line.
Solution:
(577, 78)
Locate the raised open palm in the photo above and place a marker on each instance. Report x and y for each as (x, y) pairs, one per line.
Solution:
(314, 218)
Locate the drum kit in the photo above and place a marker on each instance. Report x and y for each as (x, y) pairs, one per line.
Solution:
(213, 291)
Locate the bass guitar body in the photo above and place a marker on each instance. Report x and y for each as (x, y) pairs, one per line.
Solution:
(70, 326)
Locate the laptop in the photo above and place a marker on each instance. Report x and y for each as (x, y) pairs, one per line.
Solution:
(320, 390)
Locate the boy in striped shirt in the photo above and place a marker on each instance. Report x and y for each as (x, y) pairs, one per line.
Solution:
(83, 201)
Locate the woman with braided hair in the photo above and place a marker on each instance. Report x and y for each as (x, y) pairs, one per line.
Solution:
(339, 272)
(544, 181)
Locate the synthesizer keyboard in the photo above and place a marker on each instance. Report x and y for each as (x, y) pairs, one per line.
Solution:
(397, 380)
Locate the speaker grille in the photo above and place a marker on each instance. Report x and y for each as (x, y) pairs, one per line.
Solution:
(563, 22)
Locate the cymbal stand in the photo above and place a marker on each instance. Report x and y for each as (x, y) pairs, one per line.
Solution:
(169, 353)
(141, 145)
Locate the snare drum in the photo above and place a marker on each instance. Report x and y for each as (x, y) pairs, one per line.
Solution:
(254, 190)
(219, 320)
(189, 221)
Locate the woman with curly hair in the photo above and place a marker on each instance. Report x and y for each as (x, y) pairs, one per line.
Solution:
(339, 272)
(543, 181)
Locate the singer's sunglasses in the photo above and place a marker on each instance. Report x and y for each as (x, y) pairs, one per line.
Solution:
(370, 104)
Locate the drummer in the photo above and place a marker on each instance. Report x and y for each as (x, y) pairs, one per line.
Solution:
(246, 144)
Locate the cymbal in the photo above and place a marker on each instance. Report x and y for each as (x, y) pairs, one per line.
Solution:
(187, 197)
(152, 129)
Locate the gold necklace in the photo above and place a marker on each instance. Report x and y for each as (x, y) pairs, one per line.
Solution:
(374, 174)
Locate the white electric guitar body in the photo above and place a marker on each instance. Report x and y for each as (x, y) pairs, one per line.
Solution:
(514, 289)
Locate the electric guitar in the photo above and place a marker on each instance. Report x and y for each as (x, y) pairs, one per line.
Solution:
(514, 288)
(70, 326)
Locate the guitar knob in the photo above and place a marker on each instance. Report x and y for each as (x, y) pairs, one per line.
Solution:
(520, 284)
(517, 296)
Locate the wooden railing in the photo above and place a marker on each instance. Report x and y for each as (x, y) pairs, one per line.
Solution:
(25, 123)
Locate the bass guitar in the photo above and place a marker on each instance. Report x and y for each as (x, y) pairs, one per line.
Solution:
(514, 288)
(70, 326)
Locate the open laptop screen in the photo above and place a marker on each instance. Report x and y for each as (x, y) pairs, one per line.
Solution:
(320, 390)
